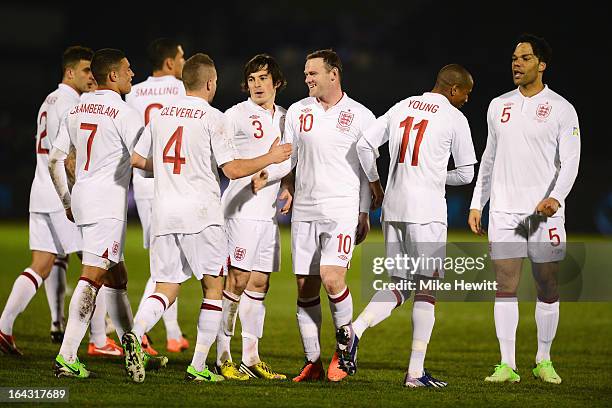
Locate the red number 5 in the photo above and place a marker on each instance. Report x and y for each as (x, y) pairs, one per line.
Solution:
(505, 114)
(554, 237)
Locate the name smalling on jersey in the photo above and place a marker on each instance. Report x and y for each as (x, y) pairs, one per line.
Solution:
(96, 109)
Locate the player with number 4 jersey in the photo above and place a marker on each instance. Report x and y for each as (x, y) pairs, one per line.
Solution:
(423, 131)
(148, 97)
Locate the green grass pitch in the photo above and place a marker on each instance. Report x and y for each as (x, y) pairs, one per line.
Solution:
(462, 351)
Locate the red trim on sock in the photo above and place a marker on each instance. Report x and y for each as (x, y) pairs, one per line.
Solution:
(229, 298)
(341, 297)
(92, 283)
(505, 294)
(425, 298)
(208, 306)
(30, 277)
(549, 301)
(398, 297)
(160, 299)
(310, 303)
(253, 297)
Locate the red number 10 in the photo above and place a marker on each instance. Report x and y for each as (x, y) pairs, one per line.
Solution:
(420, 127)
(344, 243)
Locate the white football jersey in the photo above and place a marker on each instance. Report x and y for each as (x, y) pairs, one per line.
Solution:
(423, 131)
(329, 181)
(43, 197)
(187, 140)
(254, 129)
(148, 97)
(533, 152)
(103, 129)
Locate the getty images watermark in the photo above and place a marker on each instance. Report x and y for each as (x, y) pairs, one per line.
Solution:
(463, 271)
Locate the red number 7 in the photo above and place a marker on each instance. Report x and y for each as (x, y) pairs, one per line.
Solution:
(91, 127)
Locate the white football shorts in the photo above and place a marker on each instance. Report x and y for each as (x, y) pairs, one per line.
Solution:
(103, 242)
(322, 242)
(541, 239)
(54, 233)
(175, 257)
(421, 248)
(145, 208)
(253, 245)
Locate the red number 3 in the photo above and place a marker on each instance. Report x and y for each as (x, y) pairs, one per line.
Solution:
(258, 128)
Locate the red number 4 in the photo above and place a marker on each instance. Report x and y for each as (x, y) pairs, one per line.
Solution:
(420, 127)
(177, 160)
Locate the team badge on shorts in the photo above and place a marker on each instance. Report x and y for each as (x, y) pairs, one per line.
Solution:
(345, 119)
(543, 110)
(239, 253)
(115, 249)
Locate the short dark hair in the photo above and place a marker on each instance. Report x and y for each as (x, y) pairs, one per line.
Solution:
(192, 79)
(260, 62)
(74, 54)
(161, 49)
(104, 61)
(539, 45)
(331, 59)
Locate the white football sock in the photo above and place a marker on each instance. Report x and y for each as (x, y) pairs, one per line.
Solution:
(309, 322)
(119, 310)
(149, 313)
(506, 315)
(148, 291)
(208, 327)
(252, 312)
(341, 306)
(170, 316)
(423, 319)
(97, 326)
(226, 330)
(23, 291)
(55, 287)
(81, 308)
(380, 307)
(547, 320)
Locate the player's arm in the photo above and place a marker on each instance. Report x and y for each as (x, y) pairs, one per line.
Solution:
(569, 159)
(482, 190)
(70, 167)
(372, 138)
(141, 156)
(238, 168)
(462, 149)
(57, 171)
(273, 172)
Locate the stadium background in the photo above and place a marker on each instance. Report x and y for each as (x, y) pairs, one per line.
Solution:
(390, 50)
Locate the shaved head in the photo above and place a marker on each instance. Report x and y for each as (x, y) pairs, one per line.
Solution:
(454, 74)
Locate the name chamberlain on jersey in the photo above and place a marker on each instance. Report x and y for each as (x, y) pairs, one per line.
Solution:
(95, 108)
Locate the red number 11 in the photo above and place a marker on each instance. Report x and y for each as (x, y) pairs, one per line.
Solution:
(420, 127)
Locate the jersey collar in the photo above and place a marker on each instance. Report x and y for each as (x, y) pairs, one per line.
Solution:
(68, 89)
(196, 99)
(343, 101)
(540, 94)
(107, 92)
(261, 108)
(434, 95)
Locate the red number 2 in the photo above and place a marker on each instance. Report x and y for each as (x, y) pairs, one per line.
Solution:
(420, 127)
(505, 114)
(43, 134)
(92, 127)
(177, 160)
(258, 128)
(554, 238)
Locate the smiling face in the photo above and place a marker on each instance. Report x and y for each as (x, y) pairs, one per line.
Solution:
(318, 78)
(527, 69)
(261, 87)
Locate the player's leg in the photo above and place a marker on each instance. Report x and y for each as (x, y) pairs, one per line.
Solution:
(44, 248)
(306, 257)
(337, 244)
(99, 344)
(547, 246)
(55, 288)
(153, 307)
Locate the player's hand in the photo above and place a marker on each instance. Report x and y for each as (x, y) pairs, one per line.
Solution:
(363, 227)
(378, 194)
(69, 214)
(259, 181)
(286, 196)
(474, 222)
(279, 152)
(548, 207)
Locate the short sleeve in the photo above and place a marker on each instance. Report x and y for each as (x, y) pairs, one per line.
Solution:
(221, 141)
(462, 147)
